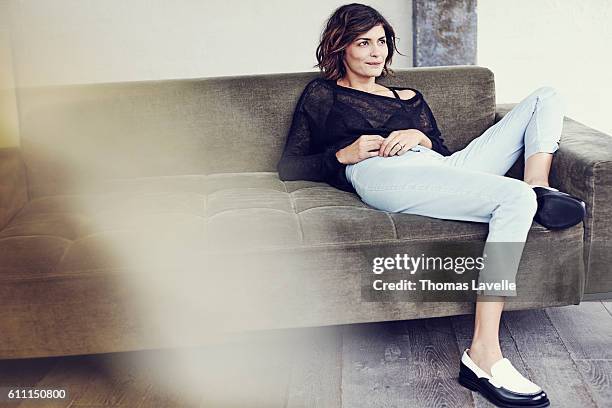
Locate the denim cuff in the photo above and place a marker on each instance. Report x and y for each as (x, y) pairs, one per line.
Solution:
(545, 147)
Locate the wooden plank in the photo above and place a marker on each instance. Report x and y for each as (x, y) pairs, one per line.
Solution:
(598, 376)
(410, 363)
(72, 373)
(608, 306)
(169, 382)
(586, 329)
(253, 372)
(546, 360)
(316, 372)
(118, 380)
(24, 373)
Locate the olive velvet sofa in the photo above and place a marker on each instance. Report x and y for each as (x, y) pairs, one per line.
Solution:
(147, 215)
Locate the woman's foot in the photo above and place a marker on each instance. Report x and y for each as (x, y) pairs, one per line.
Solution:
(484, 356)
(557, 210)
(503, 385)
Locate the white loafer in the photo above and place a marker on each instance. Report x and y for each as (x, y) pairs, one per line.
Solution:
(506, 387)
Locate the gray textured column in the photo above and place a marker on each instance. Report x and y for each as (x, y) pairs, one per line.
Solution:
(443, 32)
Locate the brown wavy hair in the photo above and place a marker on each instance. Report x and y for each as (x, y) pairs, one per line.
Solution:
(346, 24)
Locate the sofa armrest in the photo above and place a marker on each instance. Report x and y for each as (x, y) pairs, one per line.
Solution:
(583, 167)
(13, 184)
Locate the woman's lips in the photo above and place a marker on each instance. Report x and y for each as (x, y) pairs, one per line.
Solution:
(374, 64)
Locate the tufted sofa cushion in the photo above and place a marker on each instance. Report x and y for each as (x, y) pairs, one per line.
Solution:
(151, 220)
(242, 211)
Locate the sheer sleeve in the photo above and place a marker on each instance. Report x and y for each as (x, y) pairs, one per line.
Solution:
(427, 124)
(297, 161)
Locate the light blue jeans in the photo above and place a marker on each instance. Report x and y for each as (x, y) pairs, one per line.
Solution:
(470, 185)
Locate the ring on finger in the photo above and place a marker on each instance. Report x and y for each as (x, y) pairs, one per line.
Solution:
(400, 149)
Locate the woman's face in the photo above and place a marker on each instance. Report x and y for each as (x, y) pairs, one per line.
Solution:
(366, 55)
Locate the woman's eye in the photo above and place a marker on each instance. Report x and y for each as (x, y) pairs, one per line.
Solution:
(365, 42)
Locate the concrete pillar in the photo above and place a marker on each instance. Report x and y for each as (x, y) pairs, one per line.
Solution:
(444, 32)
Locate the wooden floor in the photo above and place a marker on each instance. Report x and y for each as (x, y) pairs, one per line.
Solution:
(566, 350)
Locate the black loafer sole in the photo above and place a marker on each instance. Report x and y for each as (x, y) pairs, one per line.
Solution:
(469, 380)
(557, 210)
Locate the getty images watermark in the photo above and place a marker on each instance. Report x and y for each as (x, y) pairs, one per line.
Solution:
(417, 277)
(412, 264)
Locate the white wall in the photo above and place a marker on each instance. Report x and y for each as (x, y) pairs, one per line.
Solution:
(562, 43)
(9, 126)
(77, 41)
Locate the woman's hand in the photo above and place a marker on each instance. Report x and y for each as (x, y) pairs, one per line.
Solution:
(400, 141)
(364, 147)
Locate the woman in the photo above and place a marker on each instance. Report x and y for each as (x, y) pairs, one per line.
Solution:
(384, 145)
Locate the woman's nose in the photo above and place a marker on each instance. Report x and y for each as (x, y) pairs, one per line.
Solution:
(378, 50)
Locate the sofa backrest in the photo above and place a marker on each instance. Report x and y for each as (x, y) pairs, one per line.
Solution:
(74, 136)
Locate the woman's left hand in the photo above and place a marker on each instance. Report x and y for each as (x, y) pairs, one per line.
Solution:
(400, 141)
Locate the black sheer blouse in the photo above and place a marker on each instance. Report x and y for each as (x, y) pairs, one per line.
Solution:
(329, 117)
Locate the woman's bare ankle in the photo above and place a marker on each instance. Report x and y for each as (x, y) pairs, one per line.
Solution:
(537, 182)
(484, 355)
